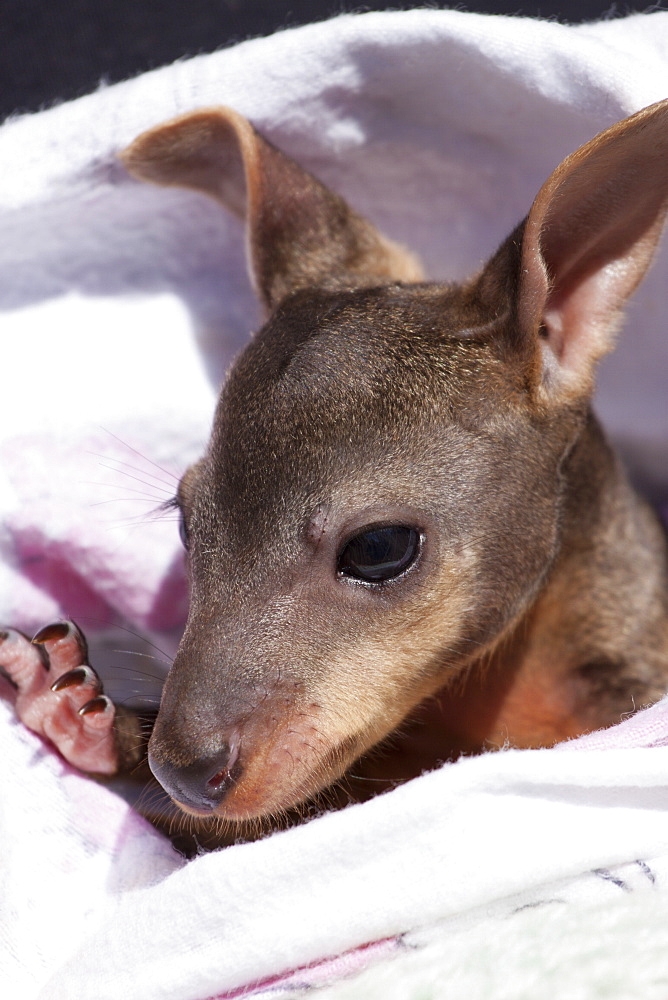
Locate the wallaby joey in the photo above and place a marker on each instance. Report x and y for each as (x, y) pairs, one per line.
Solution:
(408, 530)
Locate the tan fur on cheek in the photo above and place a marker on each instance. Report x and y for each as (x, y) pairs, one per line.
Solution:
(295, 745)
(408, 654)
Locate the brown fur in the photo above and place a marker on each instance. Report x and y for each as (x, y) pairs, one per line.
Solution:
(537, 608)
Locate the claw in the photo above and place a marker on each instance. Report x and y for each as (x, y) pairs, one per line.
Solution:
(52, 632)
(99, 704)
(79, 675)
(67, 633)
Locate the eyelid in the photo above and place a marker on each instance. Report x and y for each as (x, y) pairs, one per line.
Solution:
(172, 504)
(379, 525)
(184, 490)
(183, 531)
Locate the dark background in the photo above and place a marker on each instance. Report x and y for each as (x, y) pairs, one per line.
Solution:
(53, 50)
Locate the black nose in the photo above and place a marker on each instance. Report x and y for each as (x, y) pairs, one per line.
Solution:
(201, 785)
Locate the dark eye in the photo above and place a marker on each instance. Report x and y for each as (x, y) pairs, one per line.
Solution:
(183, 531)
(379, 554)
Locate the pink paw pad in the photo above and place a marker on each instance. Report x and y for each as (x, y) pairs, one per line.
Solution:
(59, 696)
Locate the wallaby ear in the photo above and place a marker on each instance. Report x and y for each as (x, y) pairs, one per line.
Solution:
(299, 232)
(587, 242)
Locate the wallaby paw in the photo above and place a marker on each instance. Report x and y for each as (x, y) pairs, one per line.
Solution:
(59, 696)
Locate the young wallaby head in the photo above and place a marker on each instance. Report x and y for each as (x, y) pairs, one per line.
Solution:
(381, 502)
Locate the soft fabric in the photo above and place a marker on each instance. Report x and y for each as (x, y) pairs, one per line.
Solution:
(122, 306)
(95, 903)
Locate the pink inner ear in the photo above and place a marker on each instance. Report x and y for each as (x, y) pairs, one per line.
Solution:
(593, 229)
(582, 320)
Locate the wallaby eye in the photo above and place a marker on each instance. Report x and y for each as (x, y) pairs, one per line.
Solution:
(183, 532)
(379, 554)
